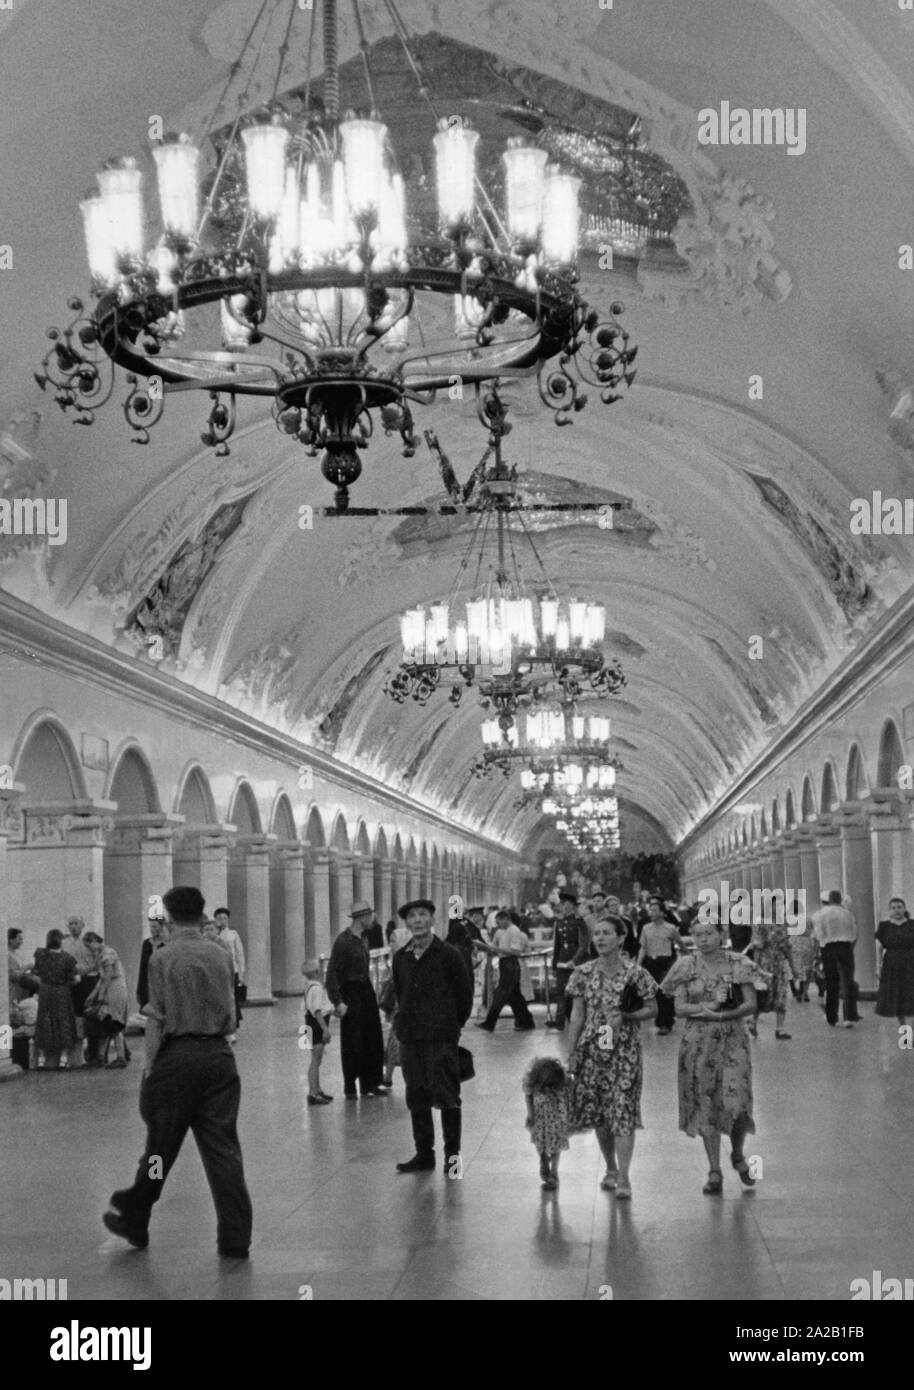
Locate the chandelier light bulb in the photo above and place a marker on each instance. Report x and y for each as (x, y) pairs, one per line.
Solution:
(562, 638)
(177, 163)
(99, 241)
(549, 616)
(561, 217)
(455, 152)
(412, 633)
(284, 244)
(363, 160)
(525, 172)
(121, 187)
(265, 168)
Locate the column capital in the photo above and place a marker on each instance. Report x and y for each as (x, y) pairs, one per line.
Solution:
(316, 856)
(11, 823)
(81, 823)
(219, 835)
(255, 841)
(131, 832)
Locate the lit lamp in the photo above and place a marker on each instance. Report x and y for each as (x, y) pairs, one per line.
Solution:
(99, 241)
(561, 217)
(177, 163)
(363, 161)
(265, 168)
(525, 169)
(121, 184)
(455, 151)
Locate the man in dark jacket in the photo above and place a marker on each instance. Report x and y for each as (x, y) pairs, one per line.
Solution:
(569, 948)
(434, 1000)
(459, 934)
(349, 987)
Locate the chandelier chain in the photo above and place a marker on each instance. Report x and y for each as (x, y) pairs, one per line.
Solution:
(331, 61)
(283, 54)
(365, 50)
(234, 70)
(532, 544)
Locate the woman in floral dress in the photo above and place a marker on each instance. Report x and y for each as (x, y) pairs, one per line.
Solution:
(55, 1026)
(604, 1061)
(107, 1006)
(804, 951)
(715, 1066)
(771, 949)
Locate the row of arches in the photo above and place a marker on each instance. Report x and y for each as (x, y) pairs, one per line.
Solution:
(838, 783)
(46, 762)
(97, 837)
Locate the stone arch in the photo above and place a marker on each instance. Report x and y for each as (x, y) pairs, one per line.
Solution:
(362, 841)
(775, 817)
(194, 800)
(763, 826)
(753, 830)
(244, 811)
(790, 815)
(314, 829)
(46, 761)
(339, 834)
(807, 800)
(131, 782)
(397, 854)
(380, 845)
(829, 799)
(891, 755)
(412, 853)
(282, 818)
(855, 783)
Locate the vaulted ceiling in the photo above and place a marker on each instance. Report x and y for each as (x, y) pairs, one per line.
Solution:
(736, 522)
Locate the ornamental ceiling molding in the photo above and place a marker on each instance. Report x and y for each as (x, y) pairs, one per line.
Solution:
(840, 45)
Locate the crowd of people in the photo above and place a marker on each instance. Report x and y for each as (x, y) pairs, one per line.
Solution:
(613, 967)
(69, 1004)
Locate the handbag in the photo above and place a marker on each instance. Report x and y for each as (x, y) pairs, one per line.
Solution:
(631, 1000)
(465, 1067)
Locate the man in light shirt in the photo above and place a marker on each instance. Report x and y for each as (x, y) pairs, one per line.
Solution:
(835, 930)
(509, 945)
(229, 937)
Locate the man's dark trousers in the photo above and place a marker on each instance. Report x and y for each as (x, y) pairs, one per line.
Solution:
(838, 965)
(432, 1074)
(509, 993)
(194, 1084)
(562, 1009)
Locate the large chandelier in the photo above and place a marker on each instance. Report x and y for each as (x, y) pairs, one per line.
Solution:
(518, 646)
(285, 264)
(550, 737)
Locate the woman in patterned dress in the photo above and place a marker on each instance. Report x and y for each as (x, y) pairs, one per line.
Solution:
(715, 1065)
(604, 1060)
(804, 951)
(771, 948)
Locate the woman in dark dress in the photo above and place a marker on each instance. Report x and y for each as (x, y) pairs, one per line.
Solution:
(896, 982)
(55, 1027)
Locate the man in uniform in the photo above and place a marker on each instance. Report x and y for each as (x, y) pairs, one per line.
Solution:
(434, 1000)
(569, 947)
(190, 1081)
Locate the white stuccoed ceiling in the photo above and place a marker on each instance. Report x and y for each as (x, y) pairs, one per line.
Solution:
(740, 509)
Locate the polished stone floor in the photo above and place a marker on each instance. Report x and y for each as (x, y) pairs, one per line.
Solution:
(834, 1112)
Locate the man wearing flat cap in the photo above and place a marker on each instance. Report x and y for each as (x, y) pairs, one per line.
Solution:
(434, 992)
(352, 994)
(569, 946)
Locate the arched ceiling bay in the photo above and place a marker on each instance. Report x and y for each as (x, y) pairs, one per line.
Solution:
(736, 510)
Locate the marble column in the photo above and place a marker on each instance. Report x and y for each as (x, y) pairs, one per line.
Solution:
(755, 870)
(58, 868)
(383, 894)
(809, 867)
(249, 901)
(340, 890)
(828, 848)
(857, 877)
(137, 864)
(439, 896)
(892, 847)
(399, 886)
(318, 917)
(288, 943)
(11, 828)
(767, 866)
(793, 881)
(200, 856)
(362, 884)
